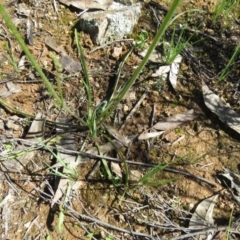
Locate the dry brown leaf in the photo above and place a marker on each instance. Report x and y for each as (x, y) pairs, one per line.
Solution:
(231, 181)
(125, 141)
(88, 4)
(174, 71)
(162, 71)
(69, 65)
(115, 167)
(202, 217)
(220, 108)
(146, 135)
(175, 121)
(104, 148)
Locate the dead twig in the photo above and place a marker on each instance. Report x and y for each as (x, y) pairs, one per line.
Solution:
(108, 44)
(134, 109)
(204, 230)
(107, 225)
(168, 169)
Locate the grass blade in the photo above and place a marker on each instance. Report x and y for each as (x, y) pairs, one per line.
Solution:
(113, 104)
(31, 58)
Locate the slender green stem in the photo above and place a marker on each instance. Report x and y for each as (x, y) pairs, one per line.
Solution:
(84, 66)
(91, 113)
(119, 73)
(31, 58)
(111, 106)
(226, 70)
(104, 162)
(27, 52)
(12, 109)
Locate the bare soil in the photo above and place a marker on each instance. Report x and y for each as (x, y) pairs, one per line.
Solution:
(99, 209)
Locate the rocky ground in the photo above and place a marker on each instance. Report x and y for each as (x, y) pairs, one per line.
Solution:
(98, 209)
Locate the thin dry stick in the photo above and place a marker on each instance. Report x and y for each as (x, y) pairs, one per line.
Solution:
(93, 170)
(33, 222)
(168, 169)
(111, 236)
(55, 7)
(134, 109)
(108, 44)
(107, 225)
(153, 115)
(204, 231)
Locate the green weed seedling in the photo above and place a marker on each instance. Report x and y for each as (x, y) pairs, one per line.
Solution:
(148, 178)
(226, 71)
(172, 49)
(142, 38)
(97, 115)
(176, 45)
(91, 112)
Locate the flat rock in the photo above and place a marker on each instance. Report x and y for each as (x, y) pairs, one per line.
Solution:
(112, 24)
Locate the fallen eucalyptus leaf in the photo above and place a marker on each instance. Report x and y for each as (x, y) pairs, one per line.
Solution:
(162, 71)
(220, 108)
(202, 217)
(107, 147)
(175, 121)
(231, 181)
(13, 88)
(174, 69)
(146, 135)
(115, 167)
(125, 141)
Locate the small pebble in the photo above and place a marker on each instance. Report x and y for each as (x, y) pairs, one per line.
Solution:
(1, 125)
(14, 118)
(11, 125)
